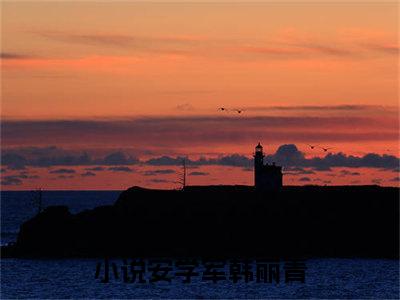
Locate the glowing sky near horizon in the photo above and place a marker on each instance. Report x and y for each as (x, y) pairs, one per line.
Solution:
(147, 79)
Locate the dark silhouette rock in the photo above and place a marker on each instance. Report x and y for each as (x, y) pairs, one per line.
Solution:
(222, 221)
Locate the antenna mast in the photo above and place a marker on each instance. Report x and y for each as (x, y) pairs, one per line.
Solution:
(182, 179)
(184, 174)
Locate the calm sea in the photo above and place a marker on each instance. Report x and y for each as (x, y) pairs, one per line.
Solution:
(75, 278)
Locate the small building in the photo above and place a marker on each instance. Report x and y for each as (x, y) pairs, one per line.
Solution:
(266, 177)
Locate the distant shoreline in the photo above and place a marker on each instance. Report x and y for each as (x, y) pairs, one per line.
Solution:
(293, 186)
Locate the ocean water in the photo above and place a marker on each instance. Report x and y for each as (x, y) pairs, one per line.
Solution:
(325, 278)
(18, 207)
(75, 278)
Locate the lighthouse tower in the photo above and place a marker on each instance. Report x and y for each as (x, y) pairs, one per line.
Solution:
(258, 164)
(266, 177)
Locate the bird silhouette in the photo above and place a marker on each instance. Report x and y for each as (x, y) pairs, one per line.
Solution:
(222, 109)
(312, 146)
(325, 149)
(239, 111)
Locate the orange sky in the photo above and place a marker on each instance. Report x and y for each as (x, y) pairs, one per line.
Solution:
(90, 61)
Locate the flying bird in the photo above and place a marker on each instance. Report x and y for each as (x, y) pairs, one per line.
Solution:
(325, 149)
(239, 111)
(222, 109)
(312, 146)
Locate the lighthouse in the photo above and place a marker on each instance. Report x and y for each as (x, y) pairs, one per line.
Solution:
(267, 177)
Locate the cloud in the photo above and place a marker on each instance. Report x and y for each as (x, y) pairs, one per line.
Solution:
(395, 179)
(88, 174)
(117, 158)
(10, 180)
(229, 160)
(120, 169)
(19, 158)
(290, 157)
(287, 155)
(156, 180)
(198, 173)
(10, 55)
(298, 171)
(305, 179)
(13, 161)
(166, 161)
(346, 173)
(25, 175)
(158, 172)
(95, 169)
(109, 42)
(63, 171)
(390, 49)
(178, 132)
(299, 50)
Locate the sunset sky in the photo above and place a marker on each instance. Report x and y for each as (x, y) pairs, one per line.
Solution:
(107, 95)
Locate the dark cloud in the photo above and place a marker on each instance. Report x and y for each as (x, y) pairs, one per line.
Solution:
(287, 155)
(395, 179)
(9, 55)
(290, 157)
(11, 180)
(198, 173)
(178, 132)
(19, 158)
(166, 161)
(234, 160)
(62, 171)
(158, 172)
(95, 169)
(298, 171)
(305, 179)
(88, 174)
(118, 158)
(13, 161)
(25, 175)
(42, 157)
(346, 173)
(156, 180)
(120, 169)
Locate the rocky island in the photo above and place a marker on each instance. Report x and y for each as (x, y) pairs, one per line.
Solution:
(222, 221)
